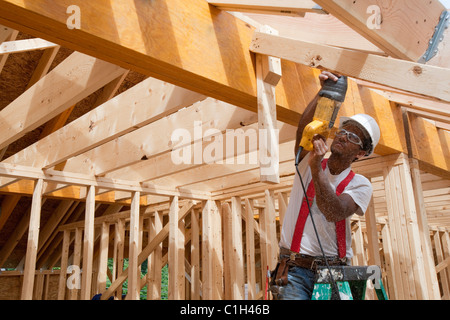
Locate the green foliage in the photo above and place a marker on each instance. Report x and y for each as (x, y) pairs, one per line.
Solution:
(144, 270)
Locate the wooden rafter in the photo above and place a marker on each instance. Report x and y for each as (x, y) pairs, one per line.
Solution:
(107, 122)
(283, 7)
(24, 172)
(6, 34)
(317, 28)
(140, 145)
(57, 92)
(165, 53)
(422, 79)
(17, 46)
(152, 178)
(245, 147)
(415, 18)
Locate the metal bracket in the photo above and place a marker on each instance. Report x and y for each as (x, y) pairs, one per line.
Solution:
(437, 37)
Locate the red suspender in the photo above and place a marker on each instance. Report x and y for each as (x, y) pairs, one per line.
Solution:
(340, 225)
(303, 215)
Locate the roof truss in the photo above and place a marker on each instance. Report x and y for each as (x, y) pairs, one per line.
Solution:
(72, 158)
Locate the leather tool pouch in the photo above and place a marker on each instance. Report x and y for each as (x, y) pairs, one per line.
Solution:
(279, 275)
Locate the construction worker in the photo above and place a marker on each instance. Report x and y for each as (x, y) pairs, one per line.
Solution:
(337, 194)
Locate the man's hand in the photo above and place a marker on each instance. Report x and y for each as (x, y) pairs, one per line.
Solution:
(328, 75)
(318, 152)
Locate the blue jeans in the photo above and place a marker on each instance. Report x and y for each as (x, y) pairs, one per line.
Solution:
(300, 284)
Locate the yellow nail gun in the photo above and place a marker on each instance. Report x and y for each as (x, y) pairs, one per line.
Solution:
(330, 99)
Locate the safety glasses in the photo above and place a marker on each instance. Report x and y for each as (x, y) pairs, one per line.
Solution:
(352, 137)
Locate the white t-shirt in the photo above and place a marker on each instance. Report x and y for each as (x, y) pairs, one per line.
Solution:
(359, 188)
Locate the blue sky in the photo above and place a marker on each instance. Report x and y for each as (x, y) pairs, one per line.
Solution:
(446, 3)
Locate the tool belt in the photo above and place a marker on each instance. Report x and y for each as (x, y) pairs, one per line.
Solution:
(288, 259)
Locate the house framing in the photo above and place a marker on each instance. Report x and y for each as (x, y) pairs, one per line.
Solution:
(92, 93)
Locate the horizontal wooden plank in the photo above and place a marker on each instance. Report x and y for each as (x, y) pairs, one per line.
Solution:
(122, 114)
(430, 144)
(185, 42)
(402, 28)
(72, 80)
(17, 46)
(77, 179)
(418, 78)
(317, 28)
(279, 7)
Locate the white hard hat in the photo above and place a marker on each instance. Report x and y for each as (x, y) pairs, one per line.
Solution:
(369, 127)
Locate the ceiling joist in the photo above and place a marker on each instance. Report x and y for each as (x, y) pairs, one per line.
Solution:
(225, 72)
(124, 146)
(17, 46)
(280, 7)
(72, 80)
(107, 122)
(415, 77)
(382, 23)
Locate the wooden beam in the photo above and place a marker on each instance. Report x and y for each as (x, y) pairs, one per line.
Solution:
(140, 146)
(423, 79)
(439, 108)
(161, 168)
(7, 34)
(317, 28)
(209, 63)
(74, 293)
(283, 7)
(414, 239)
(53, 222)
(212, 262)
(119, 237)
(88, 244)
(372, 236)
(441, 262)
(43, 66)
(443, 120)
(155, 259)
(237, 249)
(133, 266)
(56, 123)
(146, 251)
(267, 115)
(195, 255)
(282, 207)
(8, 205)
(207, 175)
(12, 171)
(107, 122)
(176, 253)
(270, 229)
(17, 46)
(103, 258)
(64, 262)
(14, 238)
(430, 144)
(56, 93)
(32, 243)
(427, 249)
(381, 23)
(250, 249)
